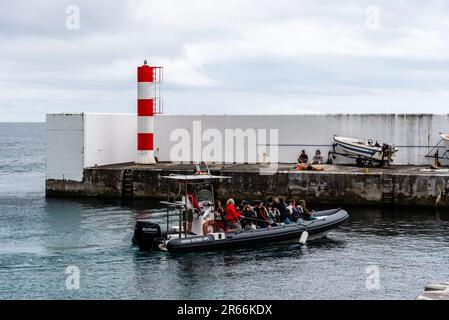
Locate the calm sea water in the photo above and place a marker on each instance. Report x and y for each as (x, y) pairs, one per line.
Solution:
(40, 238)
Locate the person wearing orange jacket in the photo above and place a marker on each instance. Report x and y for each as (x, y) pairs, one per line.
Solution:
(232, 216)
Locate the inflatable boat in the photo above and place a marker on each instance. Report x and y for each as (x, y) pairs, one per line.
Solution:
(148, 235)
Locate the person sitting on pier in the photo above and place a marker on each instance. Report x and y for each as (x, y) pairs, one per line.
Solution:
(318, 158)
(232, 216)
(303, 157)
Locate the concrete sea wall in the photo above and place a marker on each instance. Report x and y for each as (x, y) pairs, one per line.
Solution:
(83, 150)
(337, 185)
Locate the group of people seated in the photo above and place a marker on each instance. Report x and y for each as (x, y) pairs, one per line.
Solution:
(304, 158)
(260, 214)
(247, 215)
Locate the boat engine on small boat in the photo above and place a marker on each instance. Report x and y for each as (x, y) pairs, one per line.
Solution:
(206, 233)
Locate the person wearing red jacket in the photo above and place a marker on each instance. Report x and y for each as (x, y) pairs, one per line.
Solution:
(232, 216)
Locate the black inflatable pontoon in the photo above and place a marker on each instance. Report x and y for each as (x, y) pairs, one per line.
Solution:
(148, 235)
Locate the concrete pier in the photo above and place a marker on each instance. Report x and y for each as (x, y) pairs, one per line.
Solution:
(336, 184)
(89, 155)
(435, 291)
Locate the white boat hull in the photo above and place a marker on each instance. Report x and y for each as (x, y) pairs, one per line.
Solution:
(360, 148)
(445, 138)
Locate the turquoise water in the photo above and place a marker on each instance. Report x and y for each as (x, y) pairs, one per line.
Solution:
(40, 238)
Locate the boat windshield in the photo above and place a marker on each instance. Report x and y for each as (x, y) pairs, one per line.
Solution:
(205, 195)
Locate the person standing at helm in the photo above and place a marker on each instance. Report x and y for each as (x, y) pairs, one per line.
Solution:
(193, 201)
(192, 205)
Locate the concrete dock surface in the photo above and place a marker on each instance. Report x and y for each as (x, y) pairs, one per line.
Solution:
(435, 291)
(281, 167)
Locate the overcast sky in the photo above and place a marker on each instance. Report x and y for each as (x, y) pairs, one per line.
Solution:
(229, 56)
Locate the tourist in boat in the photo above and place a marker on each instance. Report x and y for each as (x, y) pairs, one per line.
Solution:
(232, 216)
(262, 218)
(318, 158)
(220, 212)
(305, 213)
(303, 157)
(218, 222)
(286, 206)
(296, 215)
(266, 211)
(220, 216)
(249, 215)
(283, 212)
(290, 206)
(272, 212)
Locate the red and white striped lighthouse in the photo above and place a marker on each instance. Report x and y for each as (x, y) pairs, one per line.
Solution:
(149, 103)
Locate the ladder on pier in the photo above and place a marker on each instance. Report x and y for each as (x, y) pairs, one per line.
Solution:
(127, 184)
(387, 189)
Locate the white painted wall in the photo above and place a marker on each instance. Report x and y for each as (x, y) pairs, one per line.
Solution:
(109, 138)
(65, 144)
(412, 134)
(75, 141)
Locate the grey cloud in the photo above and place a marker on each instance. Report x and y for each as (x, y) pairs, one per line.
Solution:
(225, 57)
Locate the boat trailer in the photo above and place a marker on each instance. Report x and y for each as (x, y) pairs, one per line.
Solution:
(434, 153)
(361, 161)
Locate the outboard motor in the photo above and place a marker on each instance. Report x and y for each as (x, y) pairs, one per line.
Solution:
(147, 235)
